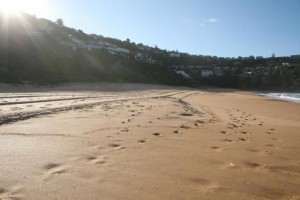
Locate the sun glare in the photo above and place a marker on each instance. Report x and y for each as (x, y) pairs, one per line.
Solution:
(14, 7)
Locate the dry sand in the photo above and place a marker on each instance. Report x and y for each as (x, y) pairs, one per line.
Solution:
(146, 142)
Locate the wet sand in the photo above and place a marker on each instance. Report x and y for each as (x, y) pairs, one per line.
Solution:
(147, 142)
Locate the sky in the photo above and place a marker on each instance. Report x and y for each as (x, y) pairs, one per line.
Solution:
(226, 28)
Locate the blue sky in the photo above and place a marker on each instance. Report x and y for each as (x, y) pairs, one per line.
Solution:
(227, 28)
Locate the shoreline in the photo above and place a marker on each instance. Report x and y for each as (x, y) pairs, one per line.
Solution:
(284, 96)
(123, 87)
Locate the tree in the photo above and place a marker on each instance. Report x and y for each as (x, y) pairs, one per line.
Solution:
(273, 55)
(59, 22)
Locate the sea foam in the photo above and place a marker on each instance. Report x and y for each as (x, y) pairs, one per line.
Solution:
(294, 97)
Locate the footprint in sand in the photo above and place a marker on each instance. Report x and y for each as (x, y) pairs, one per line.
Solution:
(254, 165)
(113, 145)
(13, 193)
(217, 149)
(186, 114)
(54, 168)
(243, 139)
(199, 121)
(185, 127)
(2, 190)
(142, 141)
(223, 132)
(91, 158)
(51, 166)
(96, 160)
(262, 152)
(227, 140)
(116, 146)
(156, 134)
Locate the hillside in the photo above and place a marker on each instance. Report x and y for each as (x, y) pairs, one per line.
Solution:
(39, 51)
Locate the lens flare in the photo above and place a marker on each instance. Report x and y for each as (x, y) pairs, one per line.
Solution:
(14, 7)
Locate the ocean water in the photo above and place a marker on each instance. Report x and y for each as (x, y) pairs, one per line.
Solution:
(294, 97)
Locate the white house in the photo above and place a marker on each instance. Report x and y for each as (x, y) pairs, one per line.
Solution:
(207, 73)
(118, 50)
(182, 73)
(176, 67)
(95, 45)
(190, 67)
(174, 55)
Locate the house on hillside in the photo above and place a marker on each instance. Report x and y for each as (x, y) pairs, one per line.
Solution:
(139, 56)
(123, 51)
(174, 55)
(144, 58)
(190, 67)
(207, 73)
(261, 69)
(95, 45)
(183, 74)
(114, 49)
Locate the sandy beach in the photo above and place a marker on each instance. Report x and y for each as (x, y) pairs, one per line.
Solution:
(126, 141)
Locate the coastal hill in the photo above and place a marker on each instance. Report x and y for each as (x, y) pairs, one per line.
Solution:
(39, 51)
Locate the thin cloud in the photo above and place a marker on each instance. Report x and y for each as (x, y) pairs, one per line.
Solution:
(209, 21)
(212, 20)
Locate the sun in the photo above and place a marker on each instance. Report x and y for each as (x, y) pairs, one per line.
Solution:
(14, 7)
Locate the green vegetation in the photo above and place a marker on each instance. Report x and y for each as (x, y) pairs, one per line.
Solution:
(39, 51)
